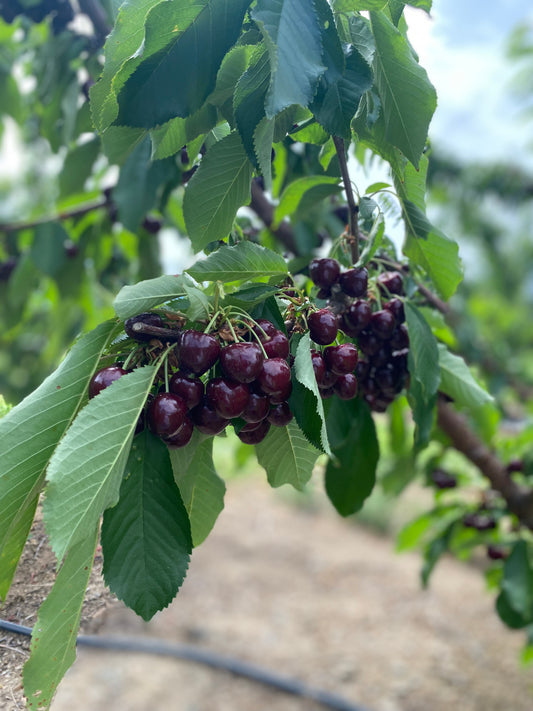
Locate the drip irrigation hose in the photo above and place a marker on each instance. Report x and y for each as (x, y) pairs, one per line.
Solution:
(204, 656)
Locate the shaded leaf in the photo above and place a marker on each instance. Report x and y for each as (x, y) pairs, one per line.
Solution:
(423, 351)
(245, 260)
(140, 297)
(313, 188)
(286, 456)
(458, 382)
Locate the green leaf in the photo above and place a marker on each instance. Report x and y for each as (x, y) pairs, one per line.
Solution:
(216, 191)
(119, 141)
(358, 5)
(232, 68)
(351, 473)
(457, 381)
(310, 189)
(174, 134)
(423, 351)
(53, 645)
(28, 435)
(250, 296)
(408, 98)
(292, 35)
(423, 408)
(508, 615)
(305, 375)
(78, 167)
(263, 139)
(202, 490)
(198, 303)
(249, 99)
(286, 456)
(47, 249)
(86, 469)
(246, 260)
(140, 297)
(434, 551)
(177, 36)
(517, 583)
(429, 248)
(146, 537)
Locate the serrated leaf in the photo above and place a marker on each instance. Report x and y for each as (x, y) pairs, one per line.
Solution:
(263, 139)
(408, 97)
(216, 191)
(304, 373)
(313, 188)
(53, 645)
(198, 303)
(146, 537)
(201, 488)
(292, 35)
(232, 68)
(246, 260)
(303, 404)
(249, 99)
(374, 240)
(351, 473)
(458, 382)
(250, 296)
(517, 583)
(423, 351)
(423, 409)
(429, 248)
(169, 138)
(78, 167)
(86, 469)
(47, 248)
(29, 434)
(286, 456)
(435, 549)
(119, 141)
(134, 299)
(358, 5)
(158, 88)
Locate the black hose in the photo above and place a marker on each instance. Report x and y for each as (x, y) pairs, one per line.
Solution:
(204, 656)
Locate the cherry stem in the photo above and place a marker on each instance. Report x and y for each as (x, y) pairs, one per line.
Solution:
(353, 207)
(130, 357)
(166, 375)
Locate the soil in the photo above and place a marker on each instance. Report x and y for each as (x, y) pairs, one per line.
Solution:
(302, 592)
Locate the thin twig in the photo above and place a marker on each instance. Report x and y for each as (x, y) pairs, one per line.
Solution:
(76, 212)
(353, 208)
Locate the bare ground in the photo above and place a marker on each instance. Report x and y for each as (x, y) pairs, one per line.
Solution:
(304, 593)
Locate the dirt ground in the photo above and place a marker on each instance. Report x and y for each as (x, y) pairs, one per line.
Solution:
(303, 593)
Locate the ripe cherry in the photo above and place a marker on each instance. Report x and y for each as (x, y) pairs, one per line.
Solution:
(322, 326)
(256, 435)
(346, 386)
(166, 414)
(391, 282)
(276, 346)
(324, 272)
(197, 351)
(191, 389)
(341, 359)
(358, 315)
(275, 376)
(104, 377)
(396, 307)
(206, 420)
(280, 415)
(354, 282)
(369, 343)
(383, 323)
(227, 397)
(182, 436)
(242, 361)
(257, 408)
(400, 338)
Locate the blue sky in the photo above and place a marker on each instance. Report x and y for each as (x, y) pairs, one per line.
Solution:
(462, 46)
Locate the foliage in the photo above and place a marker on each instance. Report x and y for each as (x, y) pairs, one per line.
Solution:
(232, 128)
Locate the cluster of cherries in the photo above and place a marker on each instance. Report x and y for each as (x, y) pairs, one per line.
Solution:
(380, 333)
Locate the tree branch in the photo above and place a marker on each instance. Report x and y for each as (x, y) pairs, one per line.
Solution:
(264, 210)
(353, 207)
(519, 498)
(76, 212)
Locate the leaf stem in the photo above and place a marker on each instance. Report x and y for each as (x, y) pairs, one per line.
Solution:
(353, 207)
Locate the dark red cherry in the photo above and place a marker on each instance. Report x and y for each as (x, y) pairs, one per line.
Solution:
(227, 397)
(182, 436)
(281, 394)
(400, 338)
(242, 361)
(264, 328)
(354, 282)
(280, 415)
(256, 435)
(369, 343)
(390, 282)
(358, 315)
(276, 346)
(326, 393)
(197, 351)
(396, 307)
(190, 388)
(104, 377)
(324, 272)
(341, 359)
(275, 376)
(346, 386)
(443, 479)
(206, 420)
(166, 414)
(383, 323)
(319, 365)
(257, 408)
(322, 326)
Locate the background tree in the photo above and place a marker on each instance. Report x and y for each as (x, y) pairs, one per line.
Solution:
(124, 149)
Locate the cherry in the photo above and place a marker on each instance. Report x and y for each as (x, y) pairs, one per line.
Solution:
(166, 414)
(197, 351)
(396, 307)
(369, 343)
(346, 386)
(326, 393)
(391, 282)
(322, 326)
(191, 389)
(400, 338)
(341, 359)
(328, 380)
(515, 465)
(358, 315)
(227, 397)
(281, 394)
(354, 282)
(496, 552)
(264, 328)
(383, 323)
(324, 272)
(362, 368)
(276, 346)
(182, 436)
(280, 415)
(104, 377)
(255, 435)
(7, 268)
(275, 376)
(242, 361)
(256, 409)
(443, 479)
(207, 420)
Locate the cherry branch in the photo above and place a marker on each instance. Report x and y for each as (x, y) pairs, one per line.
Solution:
(455, 425)
(76, 212)
(353, 207)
